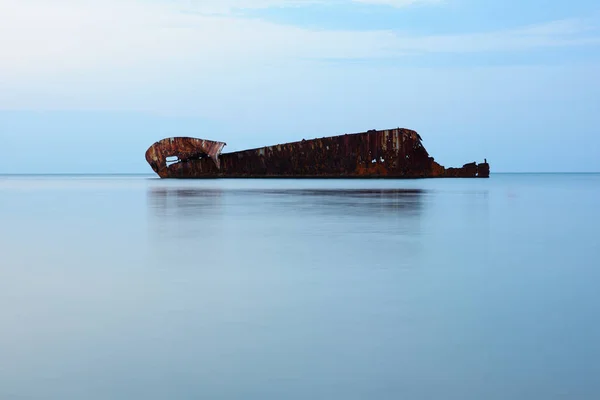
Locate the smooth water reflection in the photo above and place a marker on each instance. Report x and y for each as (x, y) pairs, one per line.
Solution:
(131, 287)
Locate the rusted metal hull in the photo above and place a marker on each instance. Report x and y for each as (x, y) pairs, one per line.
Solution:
(393, 153)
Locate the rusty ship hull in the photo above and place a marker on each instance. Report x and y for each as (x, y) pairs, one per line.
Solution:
(392, 153)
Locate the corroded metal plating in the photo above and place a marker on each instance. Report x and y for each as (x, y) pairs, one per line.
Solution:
(393, 153)
(185, 150)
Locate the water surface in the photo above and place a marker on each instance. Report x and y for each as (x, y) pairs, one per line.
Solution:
(123, 287)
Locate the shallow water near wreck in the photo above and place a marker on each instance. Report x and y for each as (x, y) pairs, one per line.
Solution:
(121, 287)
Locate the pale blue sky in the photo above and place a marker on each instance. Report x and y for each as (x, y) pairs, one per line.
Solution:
(87, 86)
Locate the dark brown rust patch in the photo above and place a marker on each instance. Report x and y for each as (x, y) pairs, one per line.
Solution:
(185, 151)
(394, 153)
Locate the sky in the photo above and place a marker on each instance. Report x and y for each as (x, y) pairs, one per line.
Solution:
(86, 86)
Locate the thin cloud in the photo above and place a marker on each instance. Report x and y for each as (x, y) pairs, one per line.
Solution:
(224, 6)
(398, 3)
(38, 39)
(563, 33)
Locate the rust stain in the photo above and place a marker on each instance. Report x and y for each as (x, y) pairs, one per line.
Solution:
(390, 153)
(184, 152)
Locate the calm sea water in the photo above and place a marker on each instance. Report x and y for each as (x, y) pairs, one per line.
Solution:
(137, 288)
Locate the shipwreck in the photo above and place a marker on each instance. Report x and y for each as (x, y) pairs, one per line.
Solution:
(392, 153)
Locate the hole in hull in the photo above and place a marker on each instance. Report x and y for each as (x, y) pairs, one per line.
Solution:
(172, 160)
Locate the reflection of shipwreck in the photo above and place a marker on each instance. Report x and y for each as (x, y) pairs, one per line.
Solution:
(394, 153)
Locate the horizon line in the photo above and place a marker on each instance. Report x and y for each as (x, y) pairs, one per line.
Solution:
(152, 174)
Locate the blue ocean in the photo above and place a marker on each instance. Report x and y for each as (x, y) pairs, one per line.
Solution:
(132, 287)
